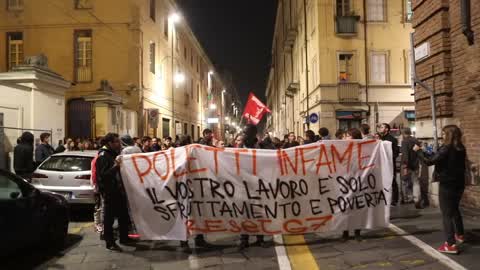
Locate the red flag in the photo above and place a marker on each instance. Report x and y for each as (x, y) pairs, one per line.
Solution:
(254, 110)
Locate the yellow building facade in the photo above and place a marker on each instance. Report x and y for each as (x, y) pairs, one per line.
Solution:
(130, 62)
(340, 63)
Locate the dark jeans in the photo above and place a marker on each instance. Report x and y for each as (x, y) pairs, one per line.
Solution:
(395, 194)
(115, 207)
(449, 198)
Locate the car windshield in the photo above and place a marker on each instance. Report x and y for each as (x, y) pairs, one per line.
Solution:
(67, 164)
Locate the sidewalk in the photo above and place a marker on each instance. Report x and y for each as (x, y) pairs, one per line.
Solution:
(426, 225)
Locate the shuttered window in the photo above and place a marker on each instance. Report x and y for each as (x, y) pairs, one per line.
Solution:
(379, 67)
(376, 11)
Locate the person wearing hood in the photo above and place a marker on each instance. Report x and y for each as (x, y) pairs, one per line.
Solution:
(110, 187)
(23, 156)
(129, 146)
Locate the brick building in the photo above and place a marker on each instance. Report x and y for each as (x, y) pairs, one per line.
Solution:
(447, 32)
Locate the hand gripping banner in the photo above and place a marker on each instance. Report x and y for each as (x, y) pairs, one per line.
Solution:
(326, 186)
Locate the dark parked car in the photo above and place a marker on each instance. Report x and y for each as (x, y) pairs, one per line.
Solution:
(29, 216)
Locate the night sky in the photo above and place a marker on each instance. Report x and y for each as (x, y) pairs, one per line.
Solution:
(237, 36)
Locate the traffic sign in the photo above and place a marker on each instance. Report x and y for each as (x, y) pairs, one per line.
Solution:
(313, 118)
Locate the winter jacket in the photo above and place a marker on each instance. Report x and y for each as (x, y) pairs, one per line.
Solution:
(449, 165)
(131, 150)
(395, 148)
(409, 157)
(289, 145)
(107, 173)
(42, 152)
(23, 159)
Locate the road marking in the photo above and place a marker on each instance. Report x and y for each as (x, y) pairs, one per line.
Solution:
(282, 257)
(299, 254)
(78, 229)
(427, 249)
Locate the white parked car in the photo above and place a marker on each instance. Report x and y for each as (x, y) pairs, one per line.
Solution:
(68, 174)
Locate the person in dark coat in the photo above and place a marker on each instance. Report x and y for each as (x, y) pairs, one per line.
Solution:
(206, 140)
(386, 136)
(310, 137)
(44, 149)
(267, 142)
(412, 190)
(207, 137)
(110, 187)
(291, 141)
(450, 165)
(23, 156)
(250, 141)
(352, 134)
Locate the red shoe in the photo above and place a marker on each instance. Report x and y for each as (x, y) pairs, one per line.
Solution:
(460, 239)
(446, 248)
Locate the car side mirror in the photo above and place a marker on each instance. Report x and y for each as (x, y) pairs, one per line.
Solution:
(14, 195)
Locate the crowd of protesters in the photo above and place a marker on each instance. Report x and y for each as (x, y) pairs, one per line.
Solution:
(412, 187)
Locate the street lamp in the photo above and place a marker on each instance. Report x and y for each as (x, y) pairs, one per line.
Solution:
(179, 78)
(175, 17)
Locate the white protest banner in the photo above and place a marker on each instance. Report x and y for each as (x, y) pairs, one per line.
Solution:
(332, 185)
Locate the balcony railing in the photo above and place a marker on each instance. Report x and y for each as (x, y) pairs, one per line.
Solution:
(346, 25)
(348, 92)
(84, 74)
(290, 36)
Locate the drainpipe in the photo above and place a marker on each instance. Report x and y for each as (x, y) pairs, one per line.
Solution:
(306, 60)
(465, 9)
(367, 71)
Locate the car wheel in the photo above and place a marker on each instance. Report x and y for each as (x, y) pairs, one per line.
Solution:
(58, 231)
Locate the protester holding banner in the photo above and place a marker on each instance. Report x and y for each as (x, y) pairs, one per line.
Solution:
(207, 137)
(352, 134)
(206, 140)
(310, 137)
(291, 141)
(340, 134)
(251, 141)
(450, 164)
(115, 202)
(386, 136)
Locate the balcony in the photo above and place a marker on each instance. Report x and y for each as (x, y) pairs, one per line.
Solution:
(292, 88)
(290, 36)
(346, 25)
(348, 92)
(84, 74)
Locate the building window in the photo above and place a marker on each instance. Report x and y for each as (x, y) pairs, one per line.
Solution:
(83, 56)
(152, 10)
(191, 88)
(376, 11)
(379, 67)
(165, 27)
(343, 7)
(191, 59)
(165, 127)
(152, 57)
(408, 10)
(185, 52)
(83, 4)
(14, 49)
(198, 93)
(185, 128)
(177, 43)
(346, 67)
(15, 5)
(198, 64)
(314, 72)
